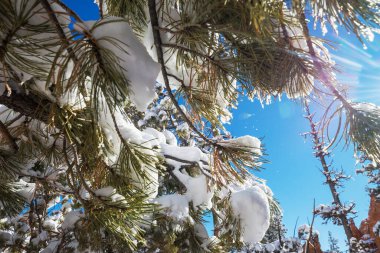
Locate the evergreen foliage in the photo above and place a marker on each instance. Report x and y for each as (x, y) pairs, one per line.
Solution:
(96, 156)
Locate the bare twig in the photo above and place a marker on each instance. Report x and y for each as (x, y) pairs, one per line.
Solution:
(310, 230)
(320, 153)
(295, 227)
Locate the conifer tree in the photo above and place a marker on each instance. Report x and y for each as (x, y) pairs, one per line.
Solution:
(112, 130)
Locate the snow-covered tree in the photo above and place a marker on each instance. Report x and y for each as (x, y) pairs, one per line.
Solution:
(338, 212)
(333, 244)
(112, 130)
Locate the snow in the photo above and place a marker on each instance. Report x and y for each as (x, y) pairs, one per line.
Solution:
(175, 205)
(44, 54)
(170, 57)
(115, 35)
(334, 209)
(190, 154)
(110, 192)
(251, 206)
(200, 231)
(376, 228)
(188, 74)
(5, 237)
(183, 127)
(25, 190)
(247, 143)
(170, 138)
(183, 130)
(156, 134)
(51, 247)
(303, 229)
(50, 224)
(140, 69)
(71, 219)
(197, 190)
(304, 232)
(105, 192)
(118, 198)
(145, 142)
(84, 194)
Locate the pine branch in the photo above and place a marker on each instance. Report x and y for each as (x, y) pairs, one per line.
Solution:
(69, 10)
(364, 139)
(160, 57)
(28, 105)
(317, 64)
(59, 29)
(183, 161)
(207, 57)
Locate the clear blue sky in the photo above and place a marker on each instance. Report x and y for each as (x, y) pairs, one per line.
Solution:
(293, 172)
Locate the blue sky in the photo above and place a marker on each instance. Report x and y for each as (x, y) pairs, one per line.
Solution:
(293, 173)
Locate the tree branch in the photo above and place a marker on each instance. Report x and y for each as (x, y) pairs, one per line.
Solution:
(160, 57)
(59, 29)
(28, 105)
(6, 140)
(317, 64)
(310, 230)
(320, 154)
(207, 57)
(101, 11)
(68, 10)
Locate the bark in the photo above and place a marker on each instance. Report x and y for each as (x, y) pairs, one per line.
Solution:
(29, 105)
(7, 142)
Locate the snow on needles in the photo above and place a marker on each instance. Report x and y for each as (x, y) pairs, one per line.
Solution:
(247, 143)
(115, 34)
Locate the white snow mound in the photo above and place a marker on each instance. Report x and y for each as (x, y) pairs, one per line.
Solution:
(251, 206)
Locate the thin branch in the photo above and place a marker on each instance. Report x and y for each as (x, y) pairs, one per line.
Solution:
(295, 227)
(61, 33)
(160, 57)
(69, 10)
(207, 57)
(310, 229)
(323, 75)
(279, 226)
(29, 105)
(283, 28)
(320, 153)
(101, 11)
(183, 161)
(10, 122)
